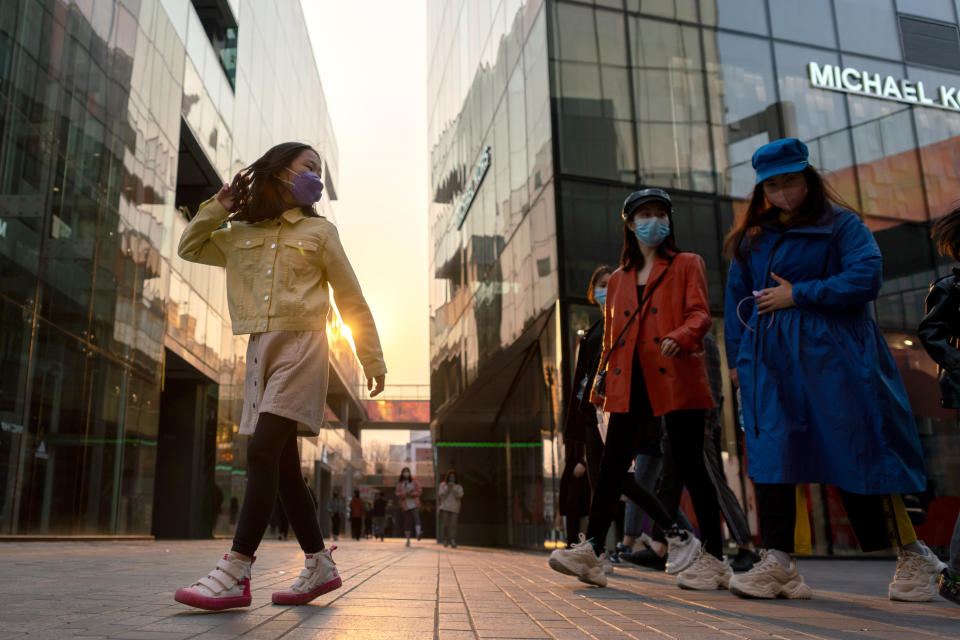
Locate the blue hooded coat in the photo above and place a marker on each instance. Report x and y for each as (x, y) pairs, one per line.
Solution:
(822, 398)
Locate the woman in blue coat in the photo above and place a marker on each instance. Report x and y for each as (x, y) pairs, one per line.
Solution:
(823, 401)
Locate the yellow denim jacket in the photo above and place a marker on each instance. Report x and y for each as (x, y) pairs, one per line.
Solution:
(277, 275)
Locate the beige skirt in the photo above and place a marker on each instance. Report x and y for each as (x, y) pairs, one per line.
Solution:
(286, 376)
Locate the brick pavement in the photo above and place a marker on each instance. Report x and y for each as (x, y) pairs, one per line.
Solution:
(124, 590)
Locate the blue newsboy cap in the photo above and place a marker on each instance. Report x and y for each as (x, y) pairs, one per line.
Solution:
(787, 155)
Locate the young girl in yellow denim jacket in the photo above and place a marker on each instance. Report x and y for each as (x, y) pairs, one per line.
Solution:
(279, 256)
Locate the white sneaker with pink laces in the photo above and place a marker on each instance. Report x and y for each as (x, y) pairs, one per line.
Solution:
(226, 587)
(319, 576)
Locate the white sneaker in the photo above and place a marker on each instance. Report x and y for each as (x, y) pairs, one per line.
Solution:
(682, 549)
(607, 564)
(226, 587)
(643, 542)
(319, 576)
(581, 561)
(706, 573)
(770, 579)
(917, 576)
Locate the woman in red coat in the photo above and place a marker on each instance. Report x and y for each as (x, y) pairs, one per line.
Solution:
(653, 366)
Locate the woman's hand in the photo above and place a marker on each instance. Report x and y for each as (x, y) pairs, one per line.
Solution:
(735, 378)
(225, 196)
(380, 380)
(579, 470)
(775, 298)
(669, 348)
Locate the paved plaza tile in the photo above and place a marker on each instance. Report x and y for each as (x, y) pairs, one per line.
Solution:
(124, 590)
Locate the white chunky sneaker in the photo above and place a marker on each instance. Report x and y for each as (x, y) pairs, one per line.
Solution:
(226, 587)
(917, 576)
(706, 573)
(581, 561)
(682, 549)
(607, 564)
(319, 576)
(770, 579)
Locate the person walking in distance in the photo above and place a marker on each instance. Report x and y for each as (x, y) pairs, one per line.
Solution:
(940, 334)
(652, 366)
(408, 491)
(379, 515)
(822, 399)
(450, 497)
(356, 515)
(279, 256)
(336, 509)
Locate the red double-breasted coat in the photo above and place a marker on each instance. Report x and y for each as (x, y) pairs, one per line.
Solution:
(677, 308)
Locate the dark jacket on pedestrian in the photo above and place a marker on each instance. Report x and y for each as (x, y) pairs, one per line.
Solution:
(940, 334)
(581, 415)
(379, 507)
(574, 496)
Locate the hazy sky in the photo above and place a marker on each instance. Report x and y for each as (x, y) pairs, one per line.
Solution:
(372, 61)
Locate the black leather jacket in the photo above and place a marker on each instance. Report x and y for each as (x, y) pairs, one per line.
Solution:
(939, 332)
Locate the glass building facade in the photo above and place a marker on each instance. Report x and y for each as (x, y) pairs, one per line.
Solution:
(122, 383)
(572, 105)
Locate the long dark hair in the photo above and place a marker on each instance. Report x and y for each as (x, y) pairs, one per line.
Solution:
(257, 191)
(599, 272)
(760, 211)
(631, 257)
(407, 469)
(947, 232)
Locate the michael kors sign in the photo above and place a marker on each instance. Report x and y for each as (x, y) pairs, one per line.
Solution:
(874, 85)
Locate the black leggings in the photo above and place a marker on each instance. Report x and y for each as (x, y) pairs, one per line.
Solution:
(635, 432)
(273, 463)
(627, 435)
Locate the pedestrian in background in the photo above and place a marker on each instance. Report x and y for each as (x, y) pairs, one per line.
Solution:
(356, 515)
(823, 401)
(379, 513)
(652, 366)
(336, 508)
(581, 433)
(940, 334)
(279, 255)
(408, 491)
(450, 495)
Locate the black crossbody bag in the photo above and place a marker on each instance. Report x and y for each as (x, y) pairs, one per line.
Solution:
(600, 383)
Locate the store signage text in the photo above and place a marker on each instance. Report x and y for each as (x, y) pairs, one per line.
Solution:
(874, 85)
(475, 180)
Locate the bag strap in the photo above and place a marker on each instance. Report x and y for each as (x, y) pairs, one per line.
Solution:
(646, 296)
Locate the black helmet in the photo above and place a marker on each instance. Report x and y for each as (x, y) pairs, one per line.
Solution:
(642, 196)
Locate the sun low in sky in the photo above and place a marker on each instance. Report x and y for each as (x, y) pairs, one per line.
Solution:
(371, 56)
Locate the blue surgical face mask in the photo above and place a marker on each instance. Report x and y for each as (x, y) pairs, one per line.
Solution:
(651, 232)
(601, 296)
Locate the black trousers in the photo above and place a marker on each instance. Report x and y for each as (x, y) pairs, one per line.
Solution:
(273, 464)
(871, 516)
(335, 523)
(671, 487)
(638, 431)
(355, 527)
(627, 434)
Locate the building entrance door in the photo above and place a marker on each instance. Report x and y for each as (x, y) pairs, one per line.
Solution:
(184, 503)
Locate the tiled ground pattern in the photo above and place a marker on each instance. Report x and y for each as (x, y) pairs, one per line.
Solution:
(124, 590)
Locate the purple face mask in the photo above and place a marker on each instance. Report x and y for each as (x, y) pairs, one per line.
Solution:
(306, 187)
